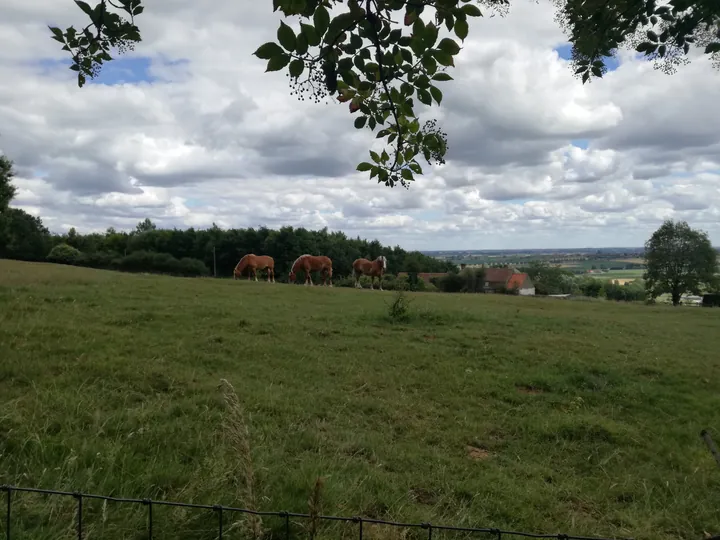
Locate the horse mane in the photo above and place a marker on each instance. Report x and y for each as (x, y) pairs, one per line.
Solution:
(296, 260)
(244, 257)
(382, 259)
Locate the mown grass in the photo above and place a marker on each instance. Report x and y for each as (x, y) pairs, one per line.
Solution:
(480, 410)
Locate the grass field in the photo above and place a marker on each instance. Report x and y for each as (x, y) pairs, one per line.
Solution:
(532, 414)
(628, 275)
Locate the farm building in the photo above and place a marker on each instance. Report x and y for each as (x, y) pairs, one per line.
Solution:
(500, 279)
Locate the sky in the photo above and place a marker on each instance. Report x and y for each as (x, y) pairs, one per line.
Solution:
(188, 131)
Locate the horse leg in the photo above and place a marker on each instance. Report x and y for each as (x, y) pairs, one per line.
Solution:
(255, 273)
(380, 281)
(372, 282)
(273, 274)
(308, 276)
(250, 271)
(329, 273)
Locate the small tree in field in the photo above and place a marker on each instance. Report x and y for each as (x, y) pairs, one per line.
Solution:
(679, 259)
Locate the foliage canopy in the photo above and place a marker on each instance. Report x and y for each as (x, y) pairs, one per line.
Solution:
(383, 57)
(679, 259)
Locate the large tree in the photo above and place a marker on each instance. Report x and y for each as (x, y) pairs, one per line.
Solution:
(679, 259)
(7, 190)
(381, 55)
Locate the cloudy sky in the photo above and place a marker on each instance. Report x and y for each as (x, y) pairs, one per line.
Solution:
(187, 130)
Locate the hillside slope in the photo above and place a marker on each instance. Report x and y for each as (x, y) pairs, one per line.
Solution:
(530, 414)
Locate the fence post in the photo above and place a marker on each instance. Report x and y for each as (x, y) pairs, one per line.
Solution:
(711, 445)
(219, 510)
(148, 503)
(79, 498)
(9, 508)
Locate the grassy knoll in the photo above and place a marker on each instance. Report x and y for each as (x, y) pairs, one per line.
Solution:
(486, 410)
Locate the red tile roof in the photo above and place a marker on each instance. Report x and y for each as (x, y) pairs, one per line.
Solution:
(498, 275)
(517, 280)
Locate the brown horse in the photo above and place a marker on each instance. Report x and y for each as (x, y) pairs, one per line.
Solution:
(312, 263)
(255, 263)
(373, 269)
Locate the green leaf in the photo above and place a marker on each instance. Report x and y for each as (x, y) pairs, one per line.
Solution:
(471, 10)
(442, 77)
(267, 50)
(321, 19)
(585, 77)
(712, 48)
(296, 68)
(374, 155)
(429, 64)
(449, 46)
(276, 63)
(414, 126)
(301, 46)
(407, 174)
(57, 34)
(652, 36)
(310, 34)
(286, 37)
(416, 168)
(360, 122)
(461, 29)
(436, 94)
(444, 58)
(384, 156)
(85, 7)
(364, 166)
(424, 96)
(422, 81)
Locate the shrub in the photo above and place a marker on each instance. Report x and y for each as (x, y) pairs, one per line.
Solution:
(193, 267)
(452, 283)
(162, 263)
(64, 254)
(399, 308)
(98, 259)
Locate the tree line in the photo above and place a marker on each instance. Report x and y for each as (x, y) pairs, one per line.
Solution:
(216, 251)
(188, 252)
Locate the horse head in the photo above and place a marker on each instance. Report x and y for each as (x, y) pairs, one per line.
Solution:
(382, 261)
(291, 276)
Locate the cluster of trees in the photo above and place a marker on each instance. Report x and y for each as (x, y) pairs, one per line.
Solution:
(217, 251)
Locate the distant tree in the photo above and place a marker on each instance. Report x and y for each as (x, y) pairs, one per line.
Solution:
(7, 189)
(146, 225)
(679, 260)
(22, 236)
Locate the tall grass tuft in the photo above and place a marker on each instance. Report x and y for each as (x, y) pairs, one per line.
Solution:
(315, 507)
(237, 435)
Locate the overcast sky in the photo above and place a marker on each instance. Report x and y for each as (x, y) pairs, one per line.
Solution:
(187, 130)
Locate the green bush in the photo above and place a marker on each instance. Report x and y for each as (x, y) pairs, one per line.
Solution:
(162, 263)
(98, 259)
(452, 283)
(64, 254)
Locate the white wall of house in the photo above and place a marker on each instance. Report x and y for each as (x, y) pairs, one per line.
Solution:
(529, 291)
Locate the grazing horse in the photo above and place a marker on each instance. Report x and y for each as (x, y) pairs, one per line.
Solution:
(255, 263)
(373, 269)
(311, 263)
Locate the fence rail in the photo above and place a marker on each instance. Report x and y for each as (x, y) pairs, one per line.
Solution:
(220, 510)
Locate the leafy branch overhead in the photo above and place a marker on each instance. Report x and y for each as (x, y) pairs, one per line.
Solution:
(387, 58)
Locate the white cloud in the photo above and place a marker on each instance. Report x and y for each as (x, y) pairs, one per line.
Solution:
(214, 139)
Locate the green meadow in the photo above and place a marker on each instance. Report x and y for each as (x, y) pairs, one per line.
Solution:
(532, 414)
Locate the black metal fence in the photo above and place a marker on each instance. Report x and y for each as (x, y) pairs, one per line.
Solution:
(220, 511)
